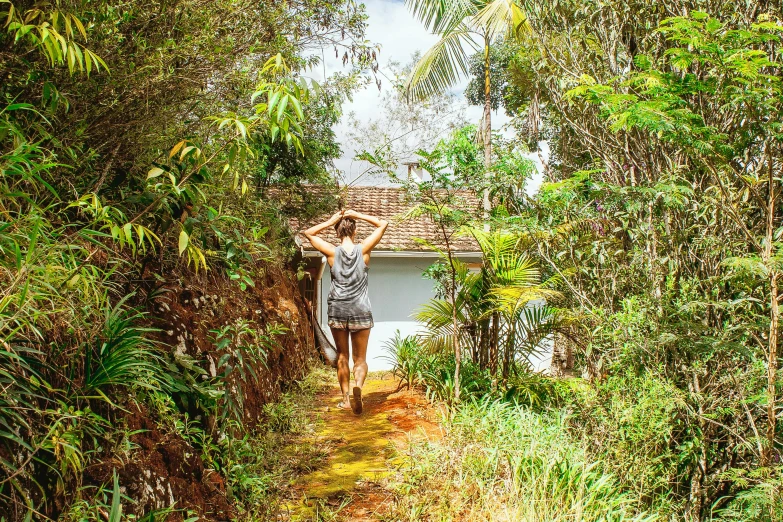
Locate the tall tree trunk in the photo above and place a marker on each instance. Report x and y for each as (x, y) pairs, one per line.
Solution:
(474, 346)
(509, 353)
(487, 131)
(769, 450)
(455, 325)
(774, 318)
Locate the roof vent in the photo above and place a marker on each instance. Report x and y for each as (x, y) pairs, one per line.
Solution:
(414, 167)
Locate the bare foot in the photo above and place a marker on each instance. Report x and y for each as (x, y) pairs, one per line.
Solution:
(357, 400)
(345, 404)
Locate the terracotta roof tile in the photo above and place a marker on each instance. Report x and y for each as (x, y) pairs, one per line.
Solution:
(389, 203)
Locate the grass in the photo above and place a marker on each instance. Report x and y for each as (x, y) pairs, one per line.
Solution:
(262, 467)
(503, 462)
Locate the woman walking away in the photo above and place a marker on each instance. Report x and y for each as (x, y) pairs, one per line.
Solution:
(349, 309)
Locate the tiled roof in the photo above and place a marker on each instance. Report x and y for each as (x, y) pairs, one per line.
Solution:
(389, 203)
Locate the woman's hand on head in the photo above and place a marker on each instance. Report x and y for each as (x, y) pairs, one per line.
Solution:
(337, 216)
(351, 214)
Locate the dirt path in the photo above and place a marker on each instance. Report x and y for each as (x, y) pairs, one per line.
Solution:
(349, 485)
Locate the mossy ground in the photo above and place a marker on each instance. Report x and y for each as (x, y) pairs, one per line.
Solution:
(349, 484)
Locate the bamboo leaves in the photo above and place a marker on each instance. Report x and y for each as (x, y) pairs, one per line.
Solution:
(108, 218)
(278, 118)
(184, 241)
(52, 32)
(282, 112)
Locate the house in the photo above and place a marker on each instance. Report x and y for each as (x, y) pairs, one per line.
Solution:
(397, 287)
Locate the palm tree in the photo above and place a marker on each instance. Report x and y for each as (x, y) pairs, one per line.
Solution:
(462, 25)
(494, 310)
(513, 292)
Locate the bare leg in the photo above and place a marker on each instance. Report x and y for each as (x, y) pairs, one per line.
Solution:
(359, 341)
(343, 372)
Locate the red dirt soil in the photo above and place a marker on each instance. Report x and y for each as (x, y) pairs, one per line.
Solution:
(165, 468)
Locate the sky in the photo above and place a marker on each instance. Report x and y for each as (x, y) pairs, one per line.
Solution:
(400, 35)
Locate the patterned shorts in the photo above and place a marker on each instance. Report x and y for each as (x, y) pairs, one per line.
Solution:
(353, 323)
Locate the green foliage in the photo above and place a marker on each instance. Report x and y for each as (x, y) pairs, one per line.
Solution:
(500, 55)
(131, 137)
(122, 355)
(282, 416)
(242, 349)
(760, 500)
(405, 356)
(416, 366)
(476, 313)
(631, 422)
(501, 461)
(660, 217)
(460, 25)
(53, 32)
(500, 310)
(259, 464)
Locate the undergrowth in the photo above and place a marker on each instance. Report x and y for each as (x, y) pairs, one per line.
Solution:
(259, 467)
(503, 462)
(546, 449)
(508, 453)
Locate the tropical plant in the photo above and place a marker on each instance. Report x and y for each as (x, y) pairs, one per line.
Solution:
(407, 359)
(242, 350)
(501, 308)
(660, 218)
(444, 202)
(447, 198)
(53, 31)
(131, 137)
(123, 354)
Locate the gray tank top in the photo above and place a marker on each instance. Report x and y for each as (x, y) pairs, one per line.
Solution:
(348, 297)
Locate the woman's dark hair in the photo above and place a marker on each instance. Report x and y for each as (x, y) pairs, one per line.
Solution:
(346, 227)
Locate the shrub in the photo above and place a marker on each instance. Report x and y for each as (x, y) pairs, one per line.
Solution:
(407, 359)
(123, 355)
(631, 421)
(414, 365)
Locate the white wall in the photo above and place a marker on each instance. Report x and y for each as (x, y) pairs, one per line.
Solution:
(397, 288)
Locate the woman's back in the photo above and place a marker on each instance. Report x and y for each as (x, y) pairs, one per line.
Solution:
(348, 295)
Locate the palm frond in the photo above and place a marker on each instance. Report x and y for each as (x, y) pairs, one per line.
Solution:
(539, 322)
(501, 17)
(510, 299)
(442, 65)
(439, 16)
(437, 318)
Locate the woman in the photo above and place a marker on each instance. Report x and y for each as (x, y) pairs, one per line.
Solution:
(349, 311)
